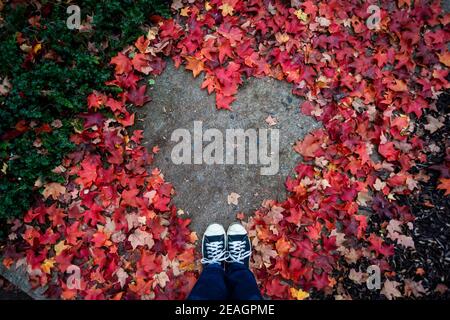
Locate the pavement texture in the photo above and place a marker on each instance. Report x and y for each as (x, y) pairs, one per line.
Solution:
(202, 189)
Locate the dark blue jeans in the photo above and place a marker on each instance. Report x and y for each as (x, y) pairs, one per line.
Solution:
(236, 283)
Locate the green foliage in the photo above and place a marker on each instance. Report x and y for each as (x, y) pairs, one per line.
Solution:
(54, 84)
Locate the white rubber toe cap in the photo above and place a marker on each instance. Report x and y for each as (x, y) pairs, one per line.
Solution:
(236, 229)
(214, 229)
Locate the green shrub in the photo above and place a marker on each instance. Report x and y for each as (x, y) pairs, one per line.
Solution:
(55, 84)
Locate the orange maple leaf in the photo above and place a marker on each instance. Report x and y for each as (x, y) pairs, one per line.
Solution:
(445, 58)
(401, 3)
(283, 246)
(444, 185)
(122, 63)
(398, 86)
(195, 65)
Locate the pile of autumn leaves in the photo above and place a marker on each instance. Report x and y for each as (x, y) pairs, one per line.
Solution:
(113, 218)
(111, 225)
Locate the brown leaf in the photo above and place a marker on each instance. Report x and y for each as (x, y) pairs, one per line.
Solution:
(390, 289)
(233, 198)
(5, 87)
(433, 124)
(141, 238)
(53, 190)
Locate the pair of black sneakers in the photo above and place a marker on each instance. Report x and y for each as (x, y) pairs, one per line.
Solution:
(232, 246)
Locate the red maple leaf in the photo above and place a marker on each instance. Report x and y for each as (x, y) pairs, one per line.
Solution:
(388, 151)
(122, 63)
(129, 197)
(141, 63)
(274, 288)
(138, 96)
(376, 244)
(142, 44)
(311, 145)
(321, 281)
(99, 239)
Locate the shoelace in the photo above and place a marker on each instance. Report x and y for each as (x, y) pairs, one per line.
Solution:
(237, 252)
(216, 251)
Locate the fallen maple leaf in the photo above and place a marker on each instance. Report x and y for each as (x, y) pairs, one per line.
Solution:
(379, 185)
(433, 124)
(53, 190)
(395, 233)
(445, 58)
(302, 16)
(414, 288)
(271, 121)
(310, 145)
(282, 37)
(404, 3)
(444, 185)
(226, 9)
(137, 96)
(390, 289)
(283, 246)
(161, 279)
(276, 288)
(141, 238)
(185, 12)
(233, 198)
(122, 62)
(60, 247)
(99, 239)
(398, 86)
(141, 63)
(122, 276)
(357, 276)
(195, 65)
(298, 294)
(388, 151)
(47, 265)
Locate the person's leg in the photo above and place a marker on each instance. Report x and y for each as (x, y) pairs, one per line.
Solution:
(211, 284)
(240, 280)
(241, 283)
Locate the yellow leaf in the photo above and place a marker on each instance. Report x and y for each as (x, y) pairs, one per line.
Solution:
(60, 247)
(226, 9)
(185, 12)
(282, 37)
(4, 167)
(302, 16)
(151, 34)
(299, 294)
(37, 48)
(48, 265)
